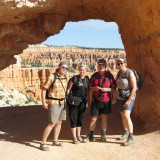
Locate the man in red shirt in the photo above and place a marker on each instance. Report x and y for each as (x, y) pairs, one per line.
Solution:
(102, 83)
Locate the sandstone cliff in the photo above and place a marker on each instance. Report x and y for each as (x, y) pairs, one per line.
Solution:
(29, 80)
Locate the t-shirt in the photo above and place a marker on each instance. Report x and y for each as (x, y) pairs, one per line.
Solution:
(108, 83)
(79, 84)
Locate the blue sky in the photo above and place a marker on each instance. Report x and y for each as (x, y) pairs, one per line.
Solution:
(90, 33)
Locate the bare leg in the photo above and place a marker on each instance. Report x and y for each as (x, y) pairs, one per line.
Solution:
(46, 132)
(57, 129)
(73, 130)
(104, 121)
(78, 129)
(93, 123)
(128, 121)
(124, 123)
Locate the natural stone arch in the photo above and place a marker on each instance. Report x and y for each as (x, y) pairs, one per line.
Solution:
(32, 21)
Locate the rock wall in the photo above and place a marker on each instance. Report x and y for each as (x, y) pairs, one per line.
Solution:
(29, 80)
(24, 22)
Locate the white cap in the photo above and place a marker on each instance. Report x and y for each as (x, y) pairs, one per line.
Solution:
(120, 59)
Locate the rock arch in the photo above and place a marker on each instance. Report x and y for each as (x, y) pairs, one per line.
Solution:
(24, 22)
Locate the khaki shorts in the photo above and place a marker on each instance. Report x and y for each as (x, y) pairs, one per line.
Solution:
(56, 112)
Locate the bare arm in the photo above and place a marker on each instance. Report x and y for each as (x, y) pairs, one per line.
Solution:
(69, 87)
(45, 106)
(133, 91)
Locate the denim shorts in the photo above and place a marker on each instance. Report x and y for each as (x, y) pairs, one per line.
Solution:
(120, 104)
(56, 112)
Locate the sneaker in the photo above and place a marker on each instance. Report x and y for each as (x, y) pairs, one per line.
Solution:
(129, 141)
(124, 136)
(89, 138)
(43, 147)
(103, 135)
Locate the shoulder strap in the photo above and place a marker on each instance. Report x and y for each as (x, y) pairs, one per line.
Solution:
(55, 77)
(127, 74)
(109, 74)
(94, 77)
(118, 74)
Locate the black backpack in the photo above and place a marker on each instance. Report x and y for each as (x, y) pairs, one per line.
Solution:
(47, 91)
(138, 80)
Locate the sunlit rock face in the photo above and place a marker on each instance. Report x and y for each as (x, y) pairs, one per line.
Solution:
(24, 22)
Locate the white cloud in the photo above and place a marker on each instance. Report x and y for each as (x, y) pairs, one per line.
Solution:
(95, 24)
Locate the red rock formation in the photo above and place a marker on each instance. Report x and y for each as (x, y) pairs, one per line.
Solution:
(31, 22)
(29, 80)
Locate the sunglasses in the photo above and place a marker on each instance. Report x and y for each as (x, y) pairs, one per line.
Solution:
(64, 68)
(119, 64)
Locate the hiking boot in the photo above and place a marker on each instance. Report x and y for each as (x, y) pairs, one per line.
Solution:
(89, 137)
(129, 141)
(124, 136)
(103, 135)
(43, 147)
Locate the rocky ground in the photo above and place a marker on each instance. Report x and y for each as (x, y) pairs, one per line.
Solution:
(12, 97)
(21, 130)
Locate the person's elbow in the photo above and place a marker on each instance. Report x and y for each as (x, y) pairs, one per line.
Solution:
(134, 88)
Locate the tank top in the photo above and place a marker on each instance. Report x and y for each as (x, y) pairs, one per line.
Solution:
(122, 82)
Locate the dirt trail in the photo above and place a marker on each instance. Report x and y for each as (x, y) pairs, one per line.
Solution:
(21, 130)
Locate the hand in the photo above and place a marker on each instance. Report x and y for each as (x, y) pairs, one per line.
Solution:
(105, 89)
(114, 101)
(96, 88)
(45, 105)
(127, 103)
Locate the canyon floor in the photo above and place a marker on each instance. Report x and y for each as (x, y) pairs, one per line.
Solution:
(21, 130)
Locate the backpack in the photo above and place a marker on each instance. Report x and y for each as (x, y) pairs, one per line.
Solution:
(47, 91)
(138, 80)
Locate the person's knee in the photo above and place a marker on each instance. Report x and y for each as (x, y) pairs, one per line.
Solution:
(126, 115)
(51, 125)
(59, 122)
(93, 119)
(103, 117)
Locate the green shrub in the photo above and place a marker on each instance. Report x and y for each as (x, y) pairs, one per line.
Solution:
(91, 67)
(1, 97)
(71, 69)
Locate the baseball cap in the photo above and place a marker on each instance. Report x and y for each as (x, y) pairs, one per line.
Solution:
(63, 63)
(101, 61)
(120, 59)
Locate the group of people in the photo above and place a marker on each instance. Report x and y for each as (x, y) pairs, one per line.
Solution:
(98, 93)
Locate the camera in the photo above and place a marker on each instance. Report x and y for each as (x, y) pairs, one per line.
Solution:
(100, 96)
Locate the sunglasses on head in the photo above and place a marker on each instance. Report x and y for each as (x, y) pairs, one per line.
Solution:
(64, 67)
(119, 64)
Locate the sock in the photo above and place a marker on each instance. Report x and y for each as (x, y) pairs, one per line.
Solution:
(130, 134)
(126, 131)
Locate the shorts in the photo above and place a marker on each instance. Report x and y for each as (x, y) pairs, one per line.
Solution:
(120, 104)
(98, 108)
(56, 112)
